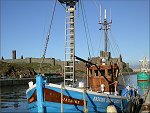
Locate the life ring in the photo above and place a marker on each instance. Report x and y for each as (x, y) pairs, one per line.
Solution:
(130, 107)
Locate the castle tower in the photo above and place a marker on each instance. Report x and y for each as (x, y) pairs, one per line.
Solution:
(14, 54)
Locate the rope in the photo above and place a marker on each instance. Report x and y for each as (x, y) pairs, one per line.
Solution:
(47, 39)
(109, 99)
(122, 105)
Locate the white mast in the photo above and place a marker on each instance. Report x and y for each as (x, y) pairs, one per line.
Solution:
(105, 25)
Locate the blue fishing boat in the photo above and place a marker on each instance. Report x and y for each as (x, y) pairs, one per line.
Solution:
(143, 75)
(98, 93)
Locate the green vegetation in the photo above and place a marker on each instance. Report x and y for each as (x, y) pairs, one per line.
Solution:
(126, 68)
(15, 70)
(22, 69)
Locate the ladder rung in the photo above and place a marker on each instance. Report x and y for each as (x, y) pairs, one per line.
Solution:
(69, 10)
(68, 72)
(70, 34)
(70, 17)
(70, 28)
(69, 79)
(69, 66)
(69, 53)
(70, 61)
(69, 47)
(70, 41)
(69, 22)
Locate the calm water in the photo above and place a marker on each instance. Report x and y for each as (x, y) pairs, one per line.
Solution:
(13, 99)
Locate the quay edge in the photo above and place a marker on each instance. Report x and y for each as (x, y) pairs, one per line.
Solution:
(24, 81)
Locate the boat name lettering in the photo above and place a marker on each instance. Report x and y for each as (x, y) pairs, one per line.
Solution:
(101, 99)
(71, 100)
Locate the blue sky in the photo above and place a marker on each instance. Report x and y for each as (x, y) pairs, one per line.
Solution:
(25, 23)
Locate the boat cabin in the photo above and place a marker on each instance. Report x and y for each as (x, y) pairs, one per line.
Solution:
(102, 78)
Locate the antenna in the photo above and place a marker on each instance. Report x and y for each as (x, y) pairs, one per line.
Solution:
(100, 14)
(105, 25)
(105, 14)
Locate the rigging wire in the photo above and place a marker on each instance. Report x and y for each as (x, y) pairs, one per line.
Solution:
(109, 43)
(115, 43)
(78, 10)
(124, 83)
(100, 40)
(48, 36)
(86, 29)
(63, 5)
(112, 46)
(119, 52)
(96, 4)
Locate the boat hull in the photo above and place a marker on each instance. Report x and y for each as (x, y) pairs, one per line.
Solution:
(142, 76)
(144, 84)
(73, 100)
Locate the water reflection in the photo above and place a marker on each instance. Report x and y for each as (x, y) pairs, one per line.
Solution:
(13, 99)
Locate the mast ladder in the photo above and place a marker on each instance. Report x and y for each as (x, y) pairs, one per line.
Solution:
(69, 63)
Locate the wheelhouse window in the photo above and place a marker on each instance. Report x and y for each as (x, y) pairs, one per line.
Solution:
(96, 72)
(102, 72)
(110, 72)
(90, 72)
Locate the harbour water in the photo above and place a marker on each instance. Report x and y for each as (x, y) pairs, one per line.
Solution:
(13, 98)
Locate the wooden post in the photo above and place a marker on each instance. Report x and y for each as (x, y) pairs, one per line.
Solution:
(85, 109)
(87, 78)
